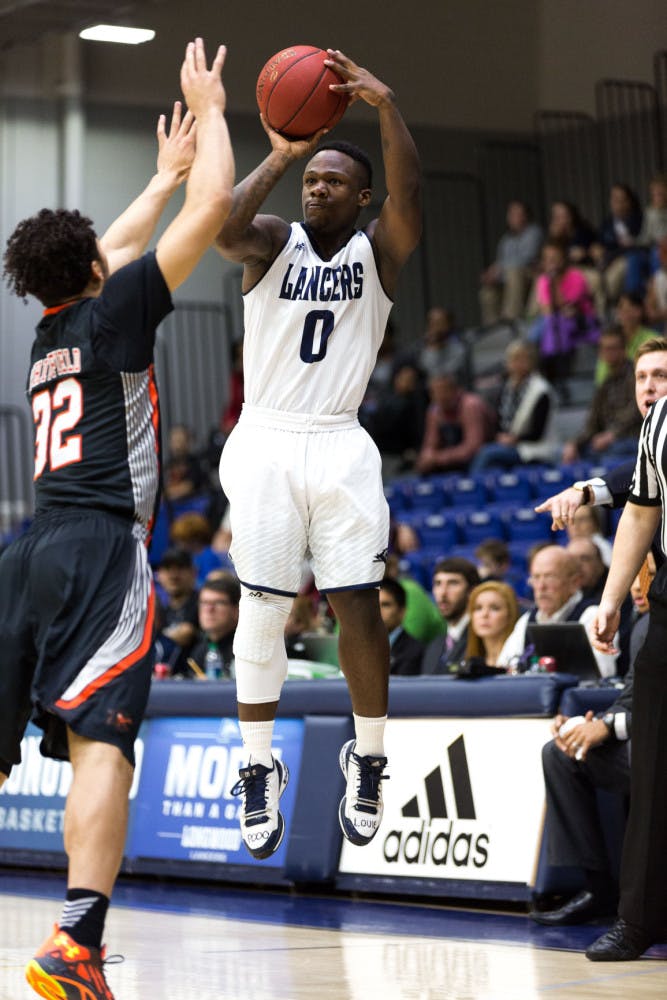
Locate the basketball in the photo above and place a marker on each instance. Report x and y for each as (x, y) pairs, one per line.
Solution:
(293, 92)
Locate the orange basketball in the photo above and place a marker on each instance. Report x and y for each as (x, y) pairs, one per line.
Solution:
(293, 92)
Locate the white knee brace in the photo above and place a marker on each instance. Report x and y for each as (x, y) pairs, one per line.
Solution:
(259, 646)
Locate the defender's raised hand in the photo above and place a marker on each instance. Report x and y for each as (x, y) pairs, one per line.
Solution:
(176, 148)
(202, 87)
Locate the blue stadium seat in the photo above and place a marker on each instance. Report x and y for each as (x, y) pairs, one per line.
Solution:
(439, 531)
(479, 525)
(510, 486)
(398, 496)
(526, 526)
(468, 491)
(428, 495)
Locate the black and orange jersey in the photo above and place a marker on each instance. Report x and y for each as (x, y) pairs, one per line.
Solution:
(94, 400)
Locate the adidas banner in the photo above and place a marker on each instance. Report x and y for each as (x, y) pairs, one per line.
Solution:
(465, 800)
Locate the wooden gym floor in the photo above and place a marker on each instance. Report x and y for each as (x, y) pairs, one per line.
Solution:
(210, 942)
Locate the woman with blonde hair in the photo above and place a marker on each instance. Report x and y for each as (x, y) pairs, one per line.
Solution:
(493, 610)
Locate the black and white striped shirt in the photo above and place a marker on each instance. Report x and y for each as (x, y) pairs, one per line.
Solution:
(649, 483)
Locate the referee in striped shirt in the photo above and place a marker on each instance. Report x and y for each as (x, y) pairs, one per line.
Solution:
(642, 913)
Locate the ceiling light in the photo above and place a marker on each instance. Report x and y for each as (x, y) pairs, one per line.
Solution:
(117, 33)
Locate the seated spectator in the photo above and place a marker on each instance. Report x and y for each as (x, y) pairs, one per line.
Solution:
(656, 294)
(594, 753)
(643, 259)
(613, 422)
(212, 656)
(568, 227)
(232, 411)
(301, 620)
(177, 614)
(395, 421)
(617, 235)
(493, 559)
(422, 619)
(193, 532)
(442, 349)
(592, 569)
(183, 475)
(567, 314)
(453, 580)
(556, 583)
(630, 320)
(505, 283)
(587, 524)
(493, 611)
(526, 408)
(405, 652)
(457, 424)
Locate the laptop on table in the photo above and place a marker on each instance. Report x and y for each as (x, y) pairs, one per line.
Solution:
(569, 645)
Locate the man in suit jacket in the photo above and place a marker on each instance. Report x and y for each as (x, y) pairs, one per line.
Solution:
(405, 652)
(453, 579)
(592, 754)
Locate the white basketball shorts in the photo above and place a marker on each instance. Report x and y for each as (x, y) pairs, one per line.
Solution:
(300, 486)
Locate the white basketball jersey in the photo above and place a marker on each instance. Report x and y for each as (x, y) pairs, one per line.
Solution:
(313, 328)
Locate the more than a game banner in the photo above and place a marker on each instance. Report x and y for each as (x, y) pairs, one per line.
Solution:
(32, 800)
(185, 809)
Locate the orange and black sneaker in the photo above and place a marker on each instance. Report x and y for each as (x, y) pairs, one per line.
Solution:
(65, 970)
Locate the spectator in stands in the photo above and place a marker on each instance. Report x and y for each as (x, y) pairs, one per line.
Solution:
(616, 237)
(232, 410)
(612, 425)
(422, 619)
(567, 314)
(183, 475)
(405, 652)
(505, 283)
(493, 611)
(656, 295)
(453, 580)
(302, 620)
(556, 582)
(457, 424)
(442, 349)
(568, 228)
(630, 320)
(218, 608)
(592, 569)
(193, 532)
(177, 615)
(643, 259)
(493, 559)
(395, 419)
(588, 523)
(526, 408)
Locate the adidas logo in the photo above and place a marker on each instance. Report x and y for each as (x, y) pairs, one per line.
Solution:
(440, 838)
(435, 790)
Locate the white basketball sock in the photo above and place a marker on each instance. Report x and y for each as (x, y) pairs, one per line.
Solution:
(370, 736)
(257, 738)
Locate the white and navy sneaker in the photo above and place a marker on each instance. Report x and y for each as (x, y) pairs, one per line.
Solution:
(262, 823)
(360, 809)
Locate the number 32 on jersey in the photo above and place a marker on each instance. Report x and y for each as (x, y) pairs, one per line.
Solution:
(56, 412)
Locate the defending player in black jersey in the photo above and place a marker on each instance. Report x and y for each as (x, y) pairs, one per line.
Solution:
(76, 593)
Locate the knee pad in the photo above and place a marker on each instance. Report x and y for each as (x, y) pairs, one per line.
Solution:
(259, 646)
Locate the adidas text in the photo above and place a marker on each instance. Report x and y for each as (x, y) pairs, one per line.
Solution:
(437, 845)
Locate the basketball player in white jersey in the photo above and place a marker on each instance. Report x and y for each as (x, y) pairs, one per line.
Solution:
(301, 475)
